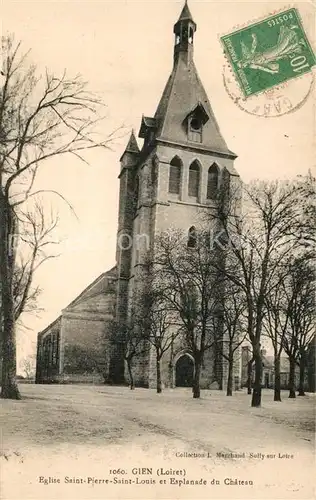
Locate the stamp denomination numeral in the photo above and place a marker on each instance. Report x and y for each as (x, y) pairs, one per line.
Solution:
(298, 63)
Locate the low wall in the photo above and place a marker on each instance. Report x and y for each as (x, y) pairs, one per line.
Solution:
(75, 379)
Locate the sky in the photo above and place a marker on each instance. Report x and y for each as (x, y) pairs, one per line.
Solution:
(124, 50)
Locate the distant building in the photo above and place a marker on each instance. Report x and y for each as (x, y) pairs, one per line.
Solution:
(267, 380)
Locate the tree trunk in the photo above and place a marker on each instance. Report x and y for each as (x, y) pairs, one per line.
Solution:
(229, 391)
(158, 371)
(9, 386)
(256, 393)
(196, 378)
(249, 376)
(277, 377)
(301, 391)
(130, 373)
(292, 379)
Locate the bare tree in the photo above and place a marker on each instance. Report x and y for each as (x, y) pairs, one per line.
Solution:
(28, 366)
(34, 248)
(299, 290)
(275, 323)
(291, 279)
(304, 227)
(129, 337)
(258, 239)
(249, 374)
(159, 324)
(188, 277)
(232, 305)
(41, 119)
(36, 242)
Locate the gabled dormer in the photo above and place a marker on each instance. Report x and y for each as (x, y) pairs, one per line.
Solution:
(195, 121)
(148, 129)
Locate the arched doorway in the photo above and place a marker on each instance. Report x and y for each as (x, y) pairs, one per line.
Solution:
(184, 371)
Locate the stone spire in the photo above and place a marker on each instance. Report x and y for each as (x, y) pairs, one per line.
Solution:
(132, 148)
(186, 14)
(184, 115)
(184, 97)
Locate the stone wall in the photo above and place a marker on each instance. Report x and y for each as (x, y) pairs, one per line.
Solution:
(169, 362)
(83, 334)
(48, 353)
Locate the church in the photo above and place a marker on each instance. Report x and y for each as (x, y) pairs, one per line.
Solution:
(167, 182)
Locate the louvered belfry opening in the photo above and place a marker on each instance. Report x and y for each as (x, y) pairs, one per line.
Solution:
(194, 179)
(212, 182)
(175, 175)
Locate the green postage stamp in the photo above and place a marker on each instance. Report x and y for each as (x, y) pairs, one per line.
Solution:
(269, 52)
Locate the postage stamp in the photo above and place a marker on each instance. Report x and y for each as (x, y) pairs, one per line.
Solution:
(270, 52)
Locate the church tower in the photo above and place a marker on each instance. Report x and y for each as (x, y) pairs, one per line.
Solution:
(176, 174)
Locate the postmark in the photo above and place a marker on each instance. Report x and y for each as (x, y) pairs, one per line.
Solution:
(268, 53)
(282, 99)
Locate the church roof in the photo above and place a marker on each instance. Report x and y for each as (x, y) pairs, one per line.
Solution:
(231, 170)
(48, 328)
(186, 14)
(199, 110)
(99, 285)
(184, 104)
(183, 93)
(147, 123)
(132, 146)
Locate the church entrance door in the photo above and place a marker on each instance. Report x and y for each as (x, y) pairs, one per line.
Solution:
(184, 371)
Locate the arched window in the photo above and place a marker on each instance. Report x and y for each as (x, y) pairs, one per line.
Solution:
(175, 175)
(192, 237)
(194, 179)
(212, 182)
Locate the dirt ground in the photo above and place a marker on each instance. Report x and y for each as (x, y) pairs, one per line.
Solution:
(99, 442)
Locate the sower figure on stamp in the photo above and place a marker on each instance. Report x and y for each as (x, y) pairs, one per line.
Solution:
(288, 43)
